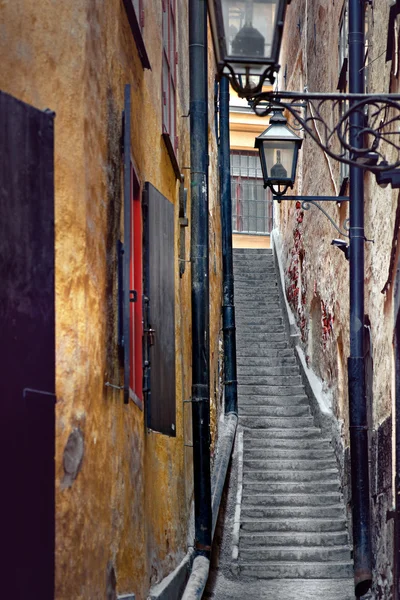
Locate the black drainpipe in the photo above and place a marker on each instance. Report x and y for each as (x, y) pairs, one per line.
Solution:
(357, 396)
(228, 307)
(201, 563)
(200, 275)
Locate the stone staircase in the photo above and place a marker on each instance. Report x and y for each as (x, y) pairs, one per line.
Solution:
(292, 518)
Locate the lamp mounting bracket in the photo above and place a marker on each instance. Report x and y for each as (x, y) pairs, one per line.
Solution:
(308, 201)
(326, 119)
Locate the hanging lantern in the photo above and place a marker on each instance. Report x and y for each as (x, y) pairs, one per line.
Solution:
(247, 38)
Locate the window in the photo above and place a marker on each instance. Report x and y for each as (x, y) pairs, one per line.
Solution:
(251, 203)
(169, 61)
(135, 13)
(393, 36)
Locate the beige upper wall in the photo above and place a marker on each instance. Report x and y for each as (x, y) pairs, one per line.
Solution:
(244, 124)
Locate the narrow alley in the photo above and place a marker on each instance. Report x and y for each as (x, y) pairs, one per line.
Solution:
(284, 534)
(200, 299)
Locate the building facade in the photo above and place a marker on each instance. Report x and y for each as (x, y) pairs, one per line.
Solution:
(116, 75)
(251, 204)
(315, 58)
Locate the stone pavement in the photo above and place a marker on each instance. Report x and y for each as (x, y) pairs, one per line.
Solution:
(223, 588)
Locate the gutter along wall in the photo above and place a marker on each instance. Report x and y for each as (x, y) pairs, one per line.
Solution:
(316, 274)
(122, 517)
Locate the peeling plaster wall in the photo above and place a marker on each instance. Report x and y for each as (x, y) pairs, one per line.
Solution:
(317, 284)
(123, 495)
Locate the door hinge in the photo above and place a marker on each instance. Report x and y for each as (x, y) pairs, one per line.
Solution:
(142, 18)
(132, 296)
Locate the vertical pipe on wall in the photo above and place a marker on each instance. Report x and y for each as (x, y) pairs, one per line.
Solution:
(228, 307)
(357, 397)
(200, 274)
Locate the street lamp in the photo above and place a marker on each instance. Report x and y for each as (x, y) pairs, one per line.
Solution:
(278, 146)
(247, 37)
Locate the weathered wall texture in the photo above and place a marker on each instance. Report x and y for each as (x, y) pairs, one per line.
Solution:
(317, 283)
(123, 494)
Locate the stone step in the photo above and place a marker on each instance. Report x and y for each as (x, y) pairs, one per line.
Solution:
(290, 475)
(244, 338)
(259, 348)
(268, 371)
(288, 570)
(271, 305)
(305, 525)
(317, 465)
(275, 422)
(260, 324)
(267, 316)
(271, 380)
(273, 434)
(263, 391)
(290, 539)
(259, 262)
(265, 329)
(255, 280)
(251, 306)
(295, 553)
(252, 251)
(291, 440)
(292, 512)
(271, 390)
(260, 306)
(280, 500)
(282, 401)
(253, 288)
(239, 259)
(245, 308)
(249, 293)
(271, 358)
(258, 274)
(291, 487)
(260, 333)
(246, 268)
(288, 454)
(254, 410)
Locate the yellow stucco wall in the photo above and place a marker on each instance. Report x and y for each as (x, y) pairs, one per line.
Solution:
(127, 510)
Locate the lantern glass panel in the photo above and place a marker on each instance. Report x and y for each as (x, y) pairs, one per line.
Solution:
(279, 158)
(250, 26)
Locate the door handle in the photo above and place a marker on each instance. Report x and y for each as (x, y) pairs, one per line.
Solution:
(150, 333)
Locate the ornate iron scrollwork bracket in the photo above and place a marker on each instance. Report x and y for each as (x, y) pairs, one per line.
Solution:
(326, 119)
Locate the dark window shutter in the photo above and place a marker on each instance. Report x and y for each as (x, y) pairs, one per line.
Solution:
(27, 348)
(159, 296)
(127, 239)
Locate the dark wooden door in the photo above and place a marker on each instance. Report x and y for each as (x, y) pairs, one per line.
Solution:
(27, 350)
(159, 309)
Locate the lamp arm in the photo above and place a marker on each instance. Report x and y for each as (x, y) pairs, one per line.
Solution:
(306, 205)
(378, 137)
